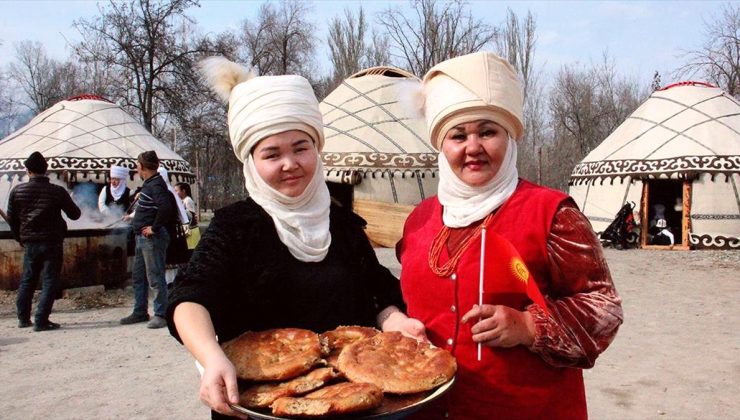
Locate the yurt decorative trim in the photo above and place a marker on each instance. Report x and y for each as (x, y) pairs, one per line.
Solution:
(678, 155)
(83, 137)
(97, 166)
(683, 166)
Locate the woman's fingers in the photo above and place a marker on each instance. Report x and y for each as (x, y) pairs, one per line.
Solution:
(219, 388)
(504, 327)
(220, 403)
(232, 389)
(416, 329)
(487, 337)
(485, 324)
(476, 312)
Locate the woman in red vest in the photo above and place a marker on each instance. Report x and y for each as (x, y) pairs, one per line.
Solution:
(505, 274)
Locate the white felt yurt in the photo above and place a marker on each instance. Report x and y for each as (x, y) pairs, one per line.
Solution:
(376, 154)
(81, 138)
(677, 157)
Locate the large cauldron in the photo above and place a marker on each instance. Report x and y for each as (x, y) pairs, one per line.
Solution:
(91, 257)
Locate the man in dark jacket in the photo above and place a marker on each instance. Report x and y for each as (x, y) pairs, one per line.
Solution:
(154, 212)
(34, 215)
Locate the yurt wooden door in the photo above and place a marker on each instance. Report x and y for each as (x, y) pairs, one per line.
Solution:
(664, 214)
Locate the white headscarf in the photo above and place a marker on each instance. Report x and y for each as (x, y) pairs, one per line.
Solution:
(464, 204)
(121, 173)
(472, 87)
(183, 214)
(302, 222)
(260, 107)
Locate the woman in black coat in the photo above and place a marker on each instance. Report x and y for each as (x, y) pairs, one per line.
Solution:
(285, 257)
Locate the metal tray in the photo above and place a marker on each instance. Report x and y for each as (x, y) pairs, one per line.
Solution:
(393, 406)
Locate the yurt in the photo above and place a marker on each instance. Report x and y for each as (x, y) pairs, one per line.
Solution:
(375, 156)
(677, 158)
(81, 138)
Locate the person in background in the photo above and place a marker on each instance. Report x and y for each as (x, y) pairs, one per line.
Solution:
(35, 218)
(115, 197)
(285, 256)
(661, 234)
(182, 212)
(182, 189)
(177, 251)
(549, 306)
(154, 212)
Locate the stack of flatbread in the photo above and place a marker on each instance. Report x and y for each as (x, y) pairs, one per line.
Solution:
(298, 373)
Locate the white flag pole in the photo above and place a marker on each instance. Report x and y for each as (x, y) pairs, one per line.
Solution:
(480, 279)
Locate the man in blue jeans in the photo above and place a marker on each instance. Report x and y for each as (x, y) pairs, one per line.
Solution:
(35, 218)
(154, 212)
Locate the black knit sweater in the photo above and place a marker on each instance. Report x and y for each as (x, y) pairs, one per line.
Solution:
(248, 280)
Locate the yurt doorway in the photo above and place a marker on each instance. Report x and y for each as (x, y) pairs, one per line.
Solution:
(665, 214)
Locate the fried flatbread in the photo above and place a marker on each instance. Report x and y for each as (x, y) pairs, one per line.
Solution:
(397, 364)
(273, 355)
(263, 395)
(342, 398)
(339, 338)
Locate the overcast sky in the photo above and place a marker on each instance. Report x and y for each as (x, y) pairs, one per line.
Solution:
(642, 37)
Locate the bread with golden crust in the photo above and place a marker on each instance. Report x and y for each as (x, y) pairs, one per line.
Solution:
(262, 395)
(339, 399)
(273, 355)
(337, 339)
(397, 364)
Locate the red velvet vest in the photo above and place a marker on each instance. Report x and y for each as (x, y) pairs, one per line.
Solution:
(509, 383)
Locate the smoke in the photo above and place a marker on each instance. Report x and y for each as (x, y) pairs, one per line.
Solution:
(85, 195)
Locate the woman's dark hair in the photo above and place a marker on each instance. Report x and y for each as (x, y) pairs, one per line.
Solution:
(185, 187)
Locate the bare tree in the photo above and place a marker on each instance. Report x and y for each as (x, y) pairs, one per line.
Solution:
(349, 49)
(536, 130)
(11, 113)
(141, 40)
(256, 35)
(201, 123)
(98, 77)
(586, 105)
(719, 58)
(43, 80)
(347, 43)
(281, 40)
(378, 53)
(433, 32)
(517, 43)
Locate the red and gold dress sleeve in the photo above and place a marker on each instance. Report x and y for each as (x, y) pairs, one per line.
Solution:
(585, 310)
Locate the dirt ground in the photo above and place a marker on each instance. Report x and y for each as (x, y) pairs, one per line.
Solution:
(676, 356)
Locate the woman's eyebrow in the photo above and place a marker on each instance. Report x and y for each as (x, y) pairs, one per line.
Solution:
(269, 149)
(299, 142)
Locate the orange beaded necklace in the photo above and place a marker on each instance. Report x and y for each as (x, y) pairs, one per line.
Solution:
(439, 242)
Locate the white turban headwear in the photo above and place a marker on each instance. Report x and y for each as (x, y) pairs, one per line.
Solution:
(121, 173)
(260, 107)
(473, 87)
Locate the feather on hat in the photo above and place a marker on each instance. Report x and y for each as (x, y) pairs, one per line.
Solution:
(222, 75)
